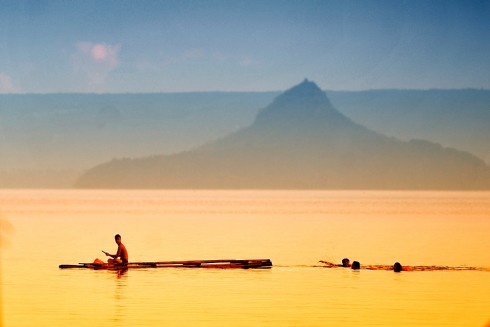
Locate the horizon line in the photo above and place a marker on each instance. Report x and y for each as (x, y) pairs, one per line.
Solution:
(238, 91)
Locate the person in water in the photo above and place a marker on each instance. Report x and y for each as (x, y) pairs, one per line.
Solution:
(345, 263)
(121, 255)
(356, 265)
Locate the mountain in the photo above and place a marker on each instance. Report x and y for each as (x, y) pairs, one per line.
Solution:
(299, 141)
(77, 131)
(455, 118)
(48, 140)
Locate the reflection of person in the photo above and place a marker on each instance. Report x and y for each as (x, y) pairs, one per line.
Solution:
(121, 255)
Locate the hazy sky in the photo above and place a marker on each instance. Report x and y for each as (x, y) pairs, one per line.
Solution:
(167, 46)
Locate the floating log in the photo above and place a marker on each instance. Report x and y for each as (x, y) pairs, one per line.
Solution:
(223, 264)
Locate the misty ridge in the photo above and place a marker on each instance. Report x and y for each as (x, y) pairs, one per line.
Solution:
(302, 138)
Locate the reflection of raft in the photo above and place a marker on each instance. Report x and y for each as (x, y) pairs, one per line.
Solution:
(223, 264)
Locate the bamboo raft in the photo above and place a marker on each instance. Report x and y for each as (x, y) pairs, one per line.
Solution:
(223, 264)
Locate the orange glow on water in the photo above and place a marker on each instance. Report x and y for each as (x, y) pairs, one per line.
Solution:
(294, 229)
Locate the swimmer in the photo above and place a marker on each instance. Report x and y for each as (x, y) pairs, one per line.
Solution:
(356, 265)
(345, 263)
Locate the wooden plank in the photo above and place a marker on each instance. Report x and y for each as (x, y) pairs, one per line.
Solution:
(217, 263)
(71, 266)
(196, 262)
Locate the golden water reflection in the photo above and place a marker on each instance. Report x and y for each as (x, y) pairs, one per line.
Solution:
(294, 229)
(6, 230)
(120, 296)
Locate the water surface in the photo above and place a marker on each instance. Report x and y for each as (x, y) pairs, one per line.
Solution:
(295, 229)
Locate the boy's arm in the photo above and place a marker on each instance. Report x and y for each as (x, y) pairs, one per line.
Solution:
(110, 255)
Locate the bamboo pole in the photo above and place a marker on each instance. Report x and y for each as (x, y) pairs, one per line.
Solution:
(217, 263)
(194, 262)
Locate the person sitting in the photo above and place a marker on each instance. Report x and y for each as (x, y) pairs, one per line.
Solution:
(121, 256)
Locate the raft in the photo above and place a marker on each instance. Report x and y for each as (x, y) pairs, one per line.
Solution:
(223, 264)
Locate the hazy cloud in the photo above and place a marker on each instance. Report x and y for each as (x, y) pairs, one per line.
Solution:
(100, 53)
(6, 85)
(96, 60)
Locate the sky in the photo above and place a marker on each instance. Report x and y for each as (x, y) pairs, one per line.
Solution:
(226, 45)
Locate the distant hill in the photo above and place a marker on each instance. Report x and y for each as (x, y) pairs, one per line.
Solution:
(76, 131)
(47, 140)
(455, 118)
(300, 141)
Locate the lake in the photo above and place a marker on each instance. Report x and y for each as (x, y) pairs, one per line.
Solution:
(41, 229)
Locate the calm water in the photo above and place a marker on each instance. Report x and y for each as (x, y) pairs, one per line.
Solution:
(295, 229)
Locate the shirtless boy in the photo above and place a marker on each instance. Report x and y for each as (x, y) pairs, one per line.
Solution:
(122, 254)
